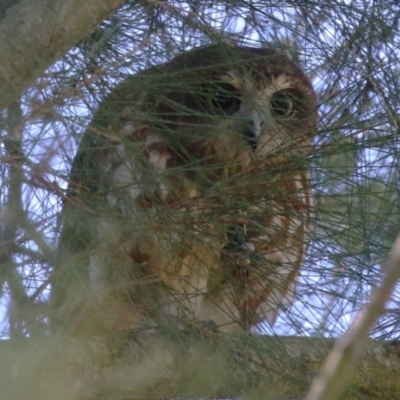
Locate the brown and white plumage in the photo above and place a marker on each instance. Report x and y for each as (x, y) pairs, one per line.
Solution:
(189, 197)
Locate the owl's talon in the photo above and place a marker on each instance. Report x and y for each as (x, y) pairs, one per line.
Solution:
(247, 246)
(208, 323)
(245, 262)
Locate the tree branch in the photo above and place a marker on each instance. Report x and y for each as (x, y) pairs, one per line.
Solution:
(154, 366)
(348, 349)
(35, 33)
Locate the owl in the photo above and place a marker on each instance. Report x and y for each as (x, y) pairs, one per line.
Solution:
(189, 198)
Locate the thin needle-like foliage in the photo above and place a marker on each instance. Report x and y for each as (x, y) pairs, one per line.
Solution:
(350, 52)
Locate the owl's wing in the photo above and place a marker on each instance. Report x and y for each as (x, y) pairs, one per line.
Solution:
(281, 248)
(86, 201)
(112, 223)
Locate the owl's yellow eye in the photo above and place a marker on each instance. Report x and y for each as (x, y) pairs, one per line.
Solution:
(225, 98)
(284, 104)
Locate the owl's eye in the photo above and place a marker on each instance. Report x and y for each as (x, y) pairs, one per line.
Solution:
(284, 104)
(225, 98)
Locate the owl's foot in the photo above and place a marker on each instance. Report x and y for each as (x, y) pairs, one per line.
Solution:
(208, 324)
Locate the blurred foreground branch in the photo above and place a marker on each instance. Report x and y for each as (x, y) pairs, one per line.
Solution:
(348, 349)
(153, 367)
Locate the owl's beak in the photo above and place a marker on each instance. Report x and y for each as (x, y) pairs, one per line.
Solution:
(255, 125)
(250, 136)
(250, 128)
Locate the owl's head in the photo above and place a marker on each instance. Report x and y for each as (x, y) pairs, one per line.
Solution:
(227, 108)
(222, 104)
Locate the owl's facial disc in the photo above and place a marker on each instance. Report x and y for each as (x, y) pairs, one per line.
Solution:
(281, 118)
(272, 118)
